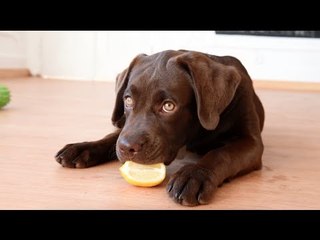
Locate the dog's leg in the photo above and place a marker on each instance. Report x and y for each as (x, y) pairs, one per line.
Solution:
(195, 183)
(87, 154)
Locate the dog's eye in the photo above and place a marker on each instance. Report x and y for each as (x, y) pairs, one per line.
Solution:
(168, 106)
(128, 102)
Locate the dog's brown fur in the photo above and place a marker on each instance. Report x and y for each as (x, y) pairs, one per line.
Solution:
(216, 114)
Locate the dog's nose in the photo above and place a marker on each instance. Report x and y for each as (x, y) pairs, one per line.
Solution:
(128, 148)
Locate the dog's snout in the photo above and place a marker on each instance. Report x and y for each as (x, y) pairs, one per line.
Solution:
(129, 148)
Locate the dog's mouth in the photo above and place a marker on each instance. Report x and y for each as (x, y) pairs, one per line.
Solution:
(145, 158)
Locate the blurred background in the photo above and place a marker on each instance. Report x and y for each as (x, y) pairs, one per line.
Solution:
(101, 55)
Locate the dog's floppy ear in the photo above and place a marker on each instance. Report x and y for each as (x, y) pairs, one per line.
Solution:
(214, 85)
(118, 118)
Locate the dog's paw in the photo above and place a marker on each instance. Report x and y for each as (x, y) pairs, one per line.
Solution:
(77, 155)
(192, 185)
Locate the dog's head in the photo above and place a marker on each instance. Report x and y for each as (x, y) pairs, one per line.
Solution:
(163, 99)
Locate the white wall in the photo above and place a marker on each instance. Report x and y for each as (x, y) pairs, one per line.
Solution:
(68, 54)
(273, 58)
(101, 55)
(12, 54)
(115, 50)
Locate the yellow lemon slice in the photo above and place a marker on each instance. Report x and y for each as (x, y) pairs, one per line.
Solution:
(143, 175)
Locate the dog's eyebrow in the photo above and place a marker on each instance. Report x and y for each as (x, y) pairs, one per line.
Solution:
(162, 95)
(133, 90)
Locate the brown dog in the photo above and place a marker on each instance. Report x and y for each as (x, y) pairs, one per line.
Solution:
(173, 99)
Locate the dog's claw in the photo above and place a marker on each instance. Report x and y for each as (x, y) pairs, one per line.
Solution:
(169, 186)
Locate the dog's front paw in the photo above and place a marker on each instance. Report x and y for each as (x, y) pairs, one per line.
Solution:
(192, 185)
(80, 155)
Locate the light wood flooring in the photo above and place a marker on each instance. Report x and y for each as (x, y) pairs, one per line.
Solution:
(44, 115)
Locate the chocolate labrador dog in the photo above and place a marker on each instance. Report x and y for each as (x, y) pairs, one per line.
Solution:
(175, 99)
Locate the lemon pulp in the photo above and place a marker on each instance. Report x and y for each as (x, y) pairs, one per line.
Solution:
(143, 175)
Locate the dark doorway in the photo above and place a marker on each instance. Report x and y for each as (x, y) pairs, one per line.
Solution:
(304, 34)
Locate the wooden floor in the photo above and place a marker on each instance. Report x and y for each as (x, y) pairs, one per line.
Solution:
(44, 115)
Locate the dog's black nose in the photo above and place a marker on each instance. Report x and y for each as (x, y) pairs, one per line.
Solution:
(128, 148)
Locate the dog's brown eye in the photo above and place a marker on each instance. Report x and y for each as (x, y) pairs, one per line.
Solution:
(168, 106)
(128, 102)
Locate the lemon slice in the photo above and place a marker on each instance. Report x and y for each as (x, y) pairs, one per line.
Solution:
(143, 175)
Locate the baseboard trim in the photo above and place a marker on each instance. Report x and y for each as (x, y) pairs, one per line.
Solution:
(15, 73)
(287, 85)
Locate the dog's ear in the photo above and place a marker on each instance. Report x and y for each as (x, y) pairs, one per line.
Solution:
(118, 118)
(214, 85)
